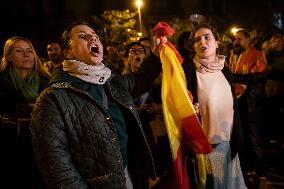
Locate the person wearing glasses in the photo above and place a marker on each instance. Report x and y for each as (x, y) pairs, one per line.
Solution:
(149, 106)
(22, 78)
(86, 132)
(135, 53)
(147, 43)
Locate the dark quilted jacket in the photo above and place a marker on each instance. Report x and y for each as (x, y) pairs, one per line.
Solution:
(75, 143)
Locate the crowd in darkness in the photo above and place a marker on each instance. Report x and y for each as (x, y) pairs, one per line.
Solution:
(77, 113)
(44, 20)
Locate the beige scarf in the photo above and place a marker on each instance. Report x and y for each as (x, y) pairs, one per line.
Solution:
(96, 74)
(204, 66)
(215, 100)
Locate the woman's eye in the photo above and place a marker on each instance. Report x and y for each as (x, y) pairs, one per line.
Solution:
(81, 36)
(207, 37)
(19, 50)
(196, 40)
(30, 51)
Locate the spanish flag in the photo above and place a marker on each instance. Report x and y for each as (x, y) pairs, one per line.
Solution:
(183, 126)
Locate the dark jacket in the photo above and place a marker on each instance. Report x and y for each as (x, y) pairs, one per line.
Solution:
(75, 142)
(236, 140)
(9, 97)
(16, 152)
(254, 93)
(275, 61)
(12, 104)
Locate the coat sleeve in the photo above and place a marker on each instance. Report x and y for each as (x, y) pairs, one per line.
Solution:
(250, 78)
(50, 145)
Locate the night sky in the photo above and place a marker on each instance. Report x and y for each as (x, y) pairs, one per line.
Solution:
(40, 20)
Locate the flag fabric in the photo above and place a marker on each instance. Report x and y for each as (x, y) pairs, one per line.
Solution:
(183, 126)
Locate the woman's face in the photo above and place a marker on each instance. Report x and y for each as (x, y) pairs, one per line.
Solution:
(84, 45)
(136, 57)
(276, 44)
(205, 44)
(22, 56)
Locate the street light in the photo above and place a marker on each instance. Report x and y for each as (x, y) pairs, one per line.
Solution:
(139, 4)
(234, 30)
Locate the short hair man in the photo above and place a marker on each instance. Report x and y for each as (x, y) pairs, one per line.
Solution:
(247, 63)
(55, 56)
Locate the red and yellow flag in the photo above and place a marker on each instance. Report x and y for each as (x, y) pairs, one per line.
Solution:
(183, 125)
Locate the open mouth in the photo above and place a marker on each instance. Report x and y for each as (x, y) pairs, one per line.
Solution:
(94, 48)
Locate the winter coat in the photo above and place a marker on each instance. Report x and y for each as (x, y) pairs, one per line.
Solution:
(75, 142)
(16, 151)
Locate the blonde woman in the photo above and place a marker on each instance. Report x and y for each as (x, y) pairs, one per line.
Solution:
(22, 78)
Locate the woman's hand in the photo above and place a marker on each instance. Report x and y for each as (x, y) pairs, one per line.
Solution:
(156, 44)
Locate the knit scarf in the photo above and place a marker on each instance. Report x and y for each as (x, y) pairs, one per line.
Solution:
(96, 74)
(207, 66)
(28, 87)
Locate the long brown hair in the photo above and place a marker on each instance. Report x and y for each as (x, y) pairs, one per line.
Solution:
(207, 26)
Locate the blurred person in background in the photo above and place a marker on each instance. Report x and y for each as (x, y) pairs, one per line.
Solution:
(247, 63)
(184, 45)
(55, 56)
(135, 55)
(149, 106)
(265, 48)
(274, 91)
(147, 44)
(114, 60)
(22, 78)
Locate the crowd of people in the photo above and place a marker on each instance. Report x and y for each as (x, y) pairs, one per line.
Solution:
(91, 117)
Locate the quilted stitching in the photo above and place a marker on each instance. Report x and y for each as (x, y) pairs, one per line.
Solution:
(94, 153)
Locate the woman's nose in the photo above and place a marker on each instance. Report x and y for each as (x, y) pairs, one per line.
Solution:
(93, 37)
(202, 41)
